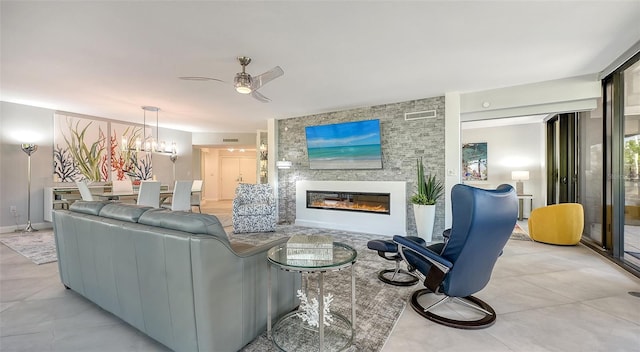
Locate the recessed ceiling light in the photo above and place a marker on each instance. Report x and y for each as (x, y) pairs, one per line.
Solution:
(486, 104)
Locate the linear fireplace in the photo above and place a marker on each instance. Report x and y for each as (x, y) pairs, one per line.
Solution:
(350, 201)
(378, 207)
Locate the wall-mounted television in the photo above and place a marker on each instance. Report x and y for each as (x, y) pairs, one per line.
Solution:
(349, 145)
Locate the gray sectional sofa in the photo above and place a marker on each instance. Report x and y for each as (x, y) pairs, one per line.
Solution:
(173, 275)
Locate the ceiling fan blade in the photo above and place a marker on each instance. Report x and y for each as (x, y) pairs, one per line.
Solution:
(260, 97)
(262, 79)
(199, 78)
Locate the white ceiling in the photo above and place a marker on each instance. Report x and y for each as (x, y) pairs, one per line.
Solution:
(108, 58)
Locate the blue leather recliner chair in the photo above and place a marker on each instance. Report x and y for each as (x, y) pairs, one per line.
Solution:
(482, 223)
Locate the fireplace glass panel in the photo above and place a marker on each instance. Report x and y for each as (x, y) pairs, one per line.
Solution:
(378, 203)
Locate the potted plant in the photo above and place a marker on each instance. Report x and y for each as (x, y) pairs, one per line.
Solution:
(424, 201)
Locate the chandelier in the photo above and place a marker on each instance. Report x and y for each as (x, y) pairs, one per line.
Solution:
(150, 144)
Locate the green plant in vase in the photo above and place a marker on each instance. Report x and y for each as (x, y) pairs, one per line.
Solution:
(429, 190)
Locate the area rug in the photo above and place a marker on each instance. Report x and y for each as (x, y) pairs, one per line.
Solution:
(519, 234)
(378, 305)
(39, 247)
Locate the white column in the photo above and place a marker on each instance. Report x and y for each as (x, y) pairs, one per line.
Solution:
(452, 149)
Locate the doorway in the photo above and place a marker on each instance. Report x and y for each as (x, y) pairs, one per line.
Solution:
(575, 158)
(562, 158)
(234, 170)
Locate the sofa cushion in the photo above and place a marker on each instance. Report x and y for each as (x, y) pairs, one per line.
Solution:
(184, 221)
(123, 212)
(254, 209)
(88, 207)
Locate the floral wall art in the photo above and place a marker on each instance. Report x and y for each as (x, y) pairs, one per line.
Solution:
(79, 149)
(91, 150)
(126, 162)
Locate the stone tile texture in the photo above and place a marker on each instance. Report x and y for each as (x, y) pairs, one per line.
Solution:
(402, 143)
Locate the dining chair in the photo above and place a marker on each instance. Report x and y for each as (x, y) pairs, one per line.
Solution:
(149, 194)
(85, 192)
(196, 194)
(181, 198)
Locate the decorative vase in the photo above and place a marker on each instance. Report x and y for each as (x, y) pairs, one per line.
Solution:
(425, 217)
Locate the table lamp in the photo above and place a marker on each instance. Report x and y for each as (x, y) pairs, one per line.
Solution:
(519, 176)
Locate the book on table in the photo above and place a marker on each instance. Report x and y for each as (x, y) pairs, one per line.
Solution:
(310, 247)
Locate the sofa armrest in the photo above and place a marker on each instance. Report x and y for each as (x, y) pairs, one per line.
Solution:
(230, 292)
(250, 250)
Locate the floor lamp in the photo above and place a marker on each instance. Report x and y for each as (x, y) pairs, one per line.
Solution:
(285, 165)
(29, 149)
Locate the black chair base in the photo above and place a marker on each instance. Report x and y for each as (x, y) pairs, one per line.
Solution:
(484, 322)
(389, 250)
(401, 278)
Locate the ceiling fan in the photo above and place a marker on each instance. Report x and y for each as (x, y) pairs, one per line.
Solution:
(244, 82)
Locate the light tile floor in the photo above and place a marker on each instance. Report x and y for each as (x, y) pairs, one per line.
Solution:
(220, 207)
(548, 298)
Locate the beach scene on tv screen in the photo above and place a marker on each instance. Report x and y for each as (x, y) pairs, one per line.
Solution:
(351, 145)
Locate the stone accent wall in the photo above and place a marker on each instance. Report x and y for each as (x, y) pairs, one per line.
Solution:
(402, 143)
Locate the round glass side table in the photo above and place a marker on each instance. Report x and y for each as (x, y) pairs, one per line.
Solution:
(290, 332)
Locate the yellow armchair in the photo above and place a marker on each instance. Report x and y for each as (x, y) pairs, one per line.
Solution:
(557, 224)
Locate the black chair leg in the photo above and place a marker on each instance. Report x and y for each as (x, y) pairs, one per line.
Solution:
(389, 251)
(397, 276)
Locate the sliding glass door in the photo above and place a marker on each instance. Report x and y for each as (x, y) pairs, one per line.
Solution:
(590, 173)
(621, 94)
(562, 158)
(628, 245)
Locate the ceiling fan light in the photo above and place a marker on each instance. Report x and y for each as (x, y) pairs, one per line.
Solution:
(242, 82)
(243, 89)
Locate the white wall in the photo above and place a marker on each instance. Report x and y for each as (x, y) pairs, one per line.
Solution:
(562, 95)
(210, 159)
(210, 168)
(24, 124)
(521, 147)
(510, 148)
(244, 140)
(453, 157)
(162, 165)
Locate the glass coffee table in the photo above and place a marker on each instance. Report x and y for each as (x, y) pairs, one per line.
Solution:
(290, 332)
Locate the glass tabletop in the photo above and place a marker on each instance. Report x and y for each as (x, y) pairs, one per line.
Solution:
(342, 256)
